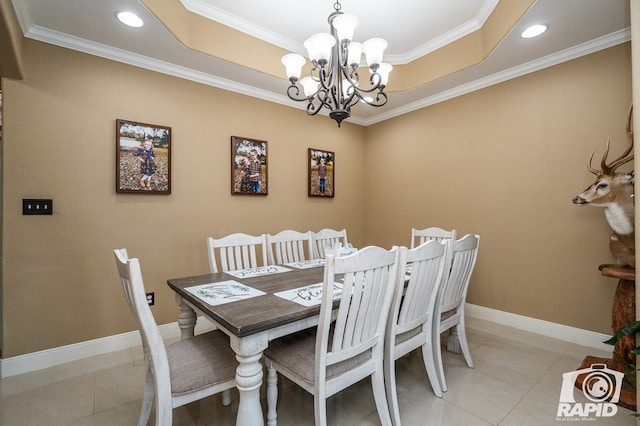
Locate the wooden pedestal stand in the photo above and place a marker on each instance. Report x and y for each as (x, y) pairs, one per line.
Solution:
(624, 311)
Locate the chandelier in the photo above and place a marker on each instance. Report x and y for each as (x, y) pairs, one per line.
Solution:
(333, 80)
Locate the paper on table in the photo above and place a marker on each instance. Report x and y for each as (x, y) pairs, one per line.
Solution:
(304, 264)
(256, 272)
(223, 292)
(309, 295)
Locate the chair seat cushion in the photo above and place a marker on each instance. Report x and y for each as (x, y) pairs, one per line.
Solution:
(201, 361)
(296, 352)
(448, 314)
(403, 337)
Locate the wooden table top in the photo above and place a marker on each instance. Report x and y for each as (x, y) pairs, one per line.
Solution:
(256, 314)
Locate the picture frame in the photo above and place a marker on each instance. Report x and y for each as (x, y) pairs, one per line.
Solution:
(248, 159)
(143, 158)
(321, 182)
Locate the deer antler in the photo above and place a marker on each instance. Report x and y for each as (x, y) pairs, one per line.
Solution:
(627, 155)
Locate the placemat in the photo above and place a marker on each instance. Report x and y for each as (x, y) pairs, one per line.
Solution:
(309, 295)
(223, 292)
(260, 270)
(304, 264)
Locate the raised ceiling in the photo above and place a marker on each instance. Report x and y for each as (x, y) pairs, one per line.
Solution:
(439, 48)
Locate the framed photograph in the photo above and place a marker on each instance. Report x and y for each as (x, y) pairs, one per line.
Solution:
(321, 173)
(143, 158)
(248, 166)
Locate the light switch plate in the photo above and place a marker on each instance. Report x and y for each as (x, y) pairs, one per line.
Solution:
(37, 206)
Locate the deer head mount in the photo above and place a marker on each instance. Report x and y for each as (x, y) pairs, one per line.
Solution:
(615, 192)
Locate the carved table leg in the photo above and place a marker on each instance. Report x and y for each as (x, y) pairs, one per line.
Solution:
(186, 318)
(272, 397)
(249, 378)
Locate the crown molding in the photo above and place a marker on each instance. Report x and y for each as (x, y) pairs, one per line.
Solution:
(216, 14)
(575, 52)
(24, 15)
(445, 39)
(107, 52)
(209, 11)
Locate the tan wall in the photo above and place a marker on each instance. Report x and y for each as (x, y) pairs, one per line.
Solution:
(505, 163)
(60, 283)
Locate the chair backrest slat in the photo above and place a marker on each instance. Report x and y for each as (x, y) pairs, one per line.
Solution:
(326, 237)
(133, 286)
(289, 246)
(421, 236)
(369, 280)
(465, 253)
(236, 251)
(414, 303)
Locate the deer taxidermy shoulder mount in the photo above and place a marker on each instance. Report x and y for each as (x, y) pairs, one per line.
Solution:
(614, 191)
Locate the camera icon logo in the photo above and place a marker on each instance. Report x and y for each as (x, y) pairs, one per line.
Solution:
(601, 386)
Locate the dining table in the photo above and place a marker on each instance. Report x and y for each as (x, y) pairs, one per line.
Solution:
(252, 306)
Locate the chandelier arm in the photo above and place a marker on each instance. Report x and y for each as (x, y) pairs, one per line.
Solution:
(371, 90)
(316, 71)
(325, 99)
(312, 108)
(325, 78)
(332, 99)
(352, 76)
(293, 91)
(353, 99)
(378, 101)
(375, 81)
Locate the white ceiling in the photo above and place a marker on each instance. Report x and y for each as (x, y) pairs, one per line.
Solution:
(413, 28)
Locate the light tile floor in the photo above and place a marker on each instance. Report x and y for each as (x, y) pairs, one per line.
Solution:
(516, 382)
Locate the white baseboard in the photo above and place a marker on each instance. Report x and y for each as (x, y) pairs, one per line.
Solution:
(550, 329)
(51, 357)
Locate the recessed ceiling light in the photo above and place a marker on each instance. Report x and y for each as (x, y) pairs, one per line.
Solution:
(534, 30)
(130, 19)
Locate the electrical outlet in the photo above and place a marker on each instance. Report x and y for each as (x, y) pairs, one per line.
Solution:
(151, 298)
(33, 206)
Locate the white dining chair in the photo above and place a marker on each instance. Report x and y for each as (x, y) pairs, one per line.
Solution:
(410, 324)
(337, 354)
(288, 246)
(450, 308)
(236, 251)
(183, 372)
(421, 236)
(327, 238)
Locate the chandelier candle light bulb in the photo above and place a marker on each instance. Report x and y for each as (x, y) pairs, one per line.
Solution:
(355, 54)
(310, 86)
(293, 64)
(333, 82)
(384, 69)
(373, 49)
(344, 25)
(320, 46)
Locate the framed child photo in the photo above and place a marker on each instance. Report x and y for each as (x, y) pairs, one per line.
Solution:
(143, 158)
(321, 173)
(248, 166)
